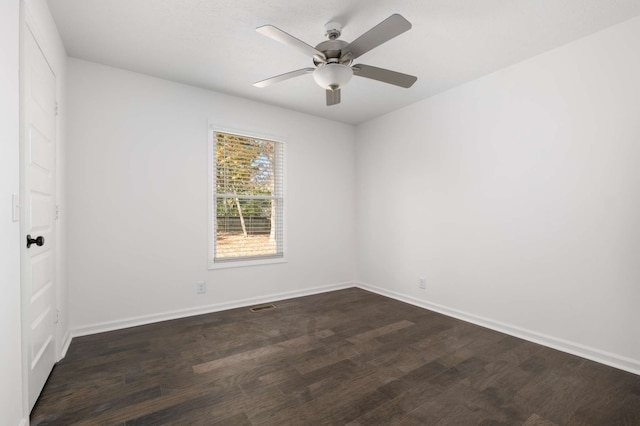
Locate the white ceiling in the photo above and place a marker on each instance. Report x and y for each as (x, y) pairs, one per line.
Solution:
(213, 43)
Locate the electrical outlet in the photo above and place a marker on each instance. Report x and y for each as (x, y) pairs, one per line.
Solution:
(422, 283)
(201, 287)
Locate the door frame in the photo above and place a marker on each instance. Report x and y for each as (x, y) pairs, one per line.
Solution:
(29, 27)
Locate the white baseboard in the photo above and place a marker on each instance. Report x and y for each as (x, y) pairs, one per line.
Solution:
(597, 355)
(164, 316)
(66, 341)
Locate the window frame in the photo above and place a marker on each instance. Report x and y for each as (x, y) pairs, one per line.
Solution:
(212, 264)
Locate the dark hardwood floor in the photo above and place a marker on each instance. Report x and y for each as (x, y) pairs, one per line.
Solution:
(345, 357)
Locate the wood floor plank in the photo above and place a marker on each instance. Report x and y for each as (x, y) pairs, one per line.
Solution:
(144, 408)
(380, 331)
(395, 409)
(208, 407)
(536, 420)
(343, 357)
(295, 344)
(326, 358)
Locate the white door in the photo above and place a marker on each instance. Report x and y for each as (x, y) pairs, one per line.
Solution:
(38, 215)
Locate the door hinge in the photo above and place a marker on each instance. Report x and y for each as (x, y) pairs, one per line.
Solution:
(56, 318)
(56, 108)
(57, 216)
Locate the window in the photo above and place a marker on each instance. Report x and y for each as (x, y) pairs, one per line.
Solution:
(247, 202)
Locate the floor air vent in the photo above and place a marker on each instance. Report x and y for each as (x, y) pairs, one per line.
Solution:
(262, 308)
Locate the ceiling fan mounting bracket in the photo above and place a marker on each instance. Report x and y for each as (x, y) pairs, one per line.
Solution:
(332, 30)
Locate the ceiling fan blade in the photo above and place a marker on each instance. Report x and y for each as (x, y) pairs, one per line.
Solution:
(384, 75)
(278, 35)
(333, 97)
(391, 27)
(282, 77)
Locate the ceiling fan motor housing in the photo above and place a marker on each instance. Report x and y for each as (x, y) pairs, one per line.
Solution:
(332, 49)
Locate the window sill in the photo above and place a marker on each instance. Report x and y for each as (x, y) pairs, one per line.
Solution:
(246, 263)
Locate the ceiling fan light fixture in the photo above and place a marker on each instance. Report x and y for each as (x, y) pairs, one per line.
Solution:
(332, 76)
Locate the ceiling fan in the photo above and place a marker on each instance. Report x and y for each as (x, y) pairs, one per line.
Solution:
(333, 58)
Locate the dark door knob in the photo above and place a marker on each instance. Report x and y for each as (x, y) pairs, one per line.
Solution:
(39, 241)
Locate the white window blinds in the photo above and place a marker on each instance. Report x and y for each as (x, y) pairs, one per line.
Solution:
(248, 198)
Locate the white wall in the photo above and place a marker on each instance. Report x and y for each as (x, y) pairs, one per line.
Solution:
(10, 331)
(137, 198)
(517, 197)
